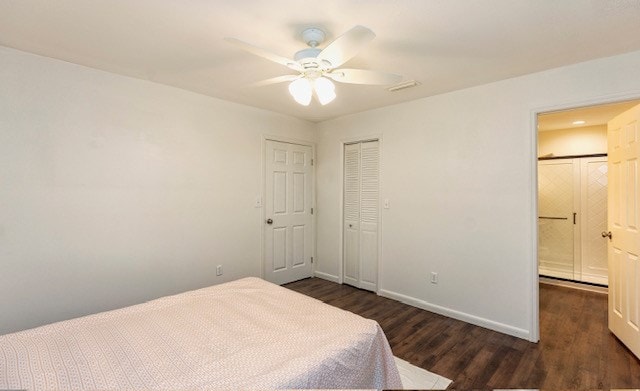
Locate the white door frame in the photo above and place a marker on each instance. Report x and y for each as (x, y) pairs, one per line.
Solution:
(263, 186)
(343, 142)
(534, 335)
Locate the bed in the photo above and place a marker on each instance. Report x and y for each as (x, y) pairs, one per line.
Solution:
(244, 334)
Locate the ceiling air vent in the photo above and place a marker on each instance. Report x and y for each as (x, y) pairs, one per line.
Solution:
(403, 85)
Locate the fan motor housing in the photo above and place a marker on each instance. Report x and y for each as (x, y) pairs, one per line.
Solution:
(306, 53)
(308, 57)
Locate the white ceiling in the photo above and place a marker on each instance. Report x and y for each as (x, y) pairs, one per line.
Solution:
(592, 116)
(445, 45)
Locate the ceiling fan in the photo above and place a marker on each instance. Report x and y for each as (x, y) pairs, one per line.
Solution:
(317, 67)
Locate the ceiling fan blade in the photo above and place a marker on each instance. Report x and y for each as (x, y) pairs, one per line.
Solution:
(277, 79)
(346, 46)
(362, 76)
(264, 53)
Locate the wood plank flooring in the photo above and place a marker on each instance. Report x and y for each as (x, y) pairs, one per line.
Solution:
(576, 350)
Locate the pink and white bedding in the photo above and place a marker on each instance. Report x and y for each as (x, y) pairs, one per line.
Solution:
(243, 334)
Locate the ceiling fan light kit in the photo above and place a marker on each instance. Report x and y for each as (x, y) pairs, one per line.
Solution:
(302, 89)
(316, 66)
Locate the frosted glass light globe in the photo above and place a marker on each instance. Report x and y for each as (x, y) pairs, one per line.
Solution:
(301, 91)
(325, 90)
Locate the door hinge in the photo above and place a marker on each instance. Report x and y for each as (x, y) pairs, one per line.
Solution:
(312, 162)
(311, 210)
(311, 259)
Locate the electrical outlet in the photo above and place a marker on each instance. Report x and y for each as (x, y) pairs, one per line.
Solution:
(434, 277)
(219, 270)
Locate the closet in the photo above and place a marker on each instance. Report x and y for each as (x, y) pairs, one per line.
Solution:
(572, 214)
(361, 214)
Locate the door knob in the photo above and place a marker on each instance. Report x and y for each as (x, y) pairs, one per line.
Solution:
(269, 221)
(606, 234)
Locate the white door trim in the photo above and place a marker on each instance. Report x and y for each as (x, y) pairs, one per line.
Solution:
(263, 184)
(534, 334)
(342, 143)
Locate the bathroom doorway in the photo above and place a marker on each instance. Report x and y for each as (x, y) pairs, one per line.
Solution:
(572, 195)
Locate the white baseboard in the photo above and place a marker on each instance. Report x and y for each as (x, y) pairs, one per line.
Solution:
(327, 276)
(476, 320)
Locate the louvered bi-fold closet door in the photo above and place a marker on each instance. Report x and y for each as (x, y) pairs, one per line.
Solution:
(361, 214)
(351, 229)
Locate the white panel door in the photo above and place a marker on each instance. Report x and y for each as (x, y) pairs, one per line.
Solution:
(624, 235)
(361, 210)
(593, 217)
(288, 224)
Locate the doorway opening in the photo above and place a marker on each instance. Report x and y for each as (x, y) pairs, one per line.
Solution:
(587, 180)
(572, 194)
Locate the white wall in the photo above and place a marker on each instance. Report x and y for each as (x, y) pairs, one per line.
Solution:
(115, 190)
(458, 169)
(586, 140)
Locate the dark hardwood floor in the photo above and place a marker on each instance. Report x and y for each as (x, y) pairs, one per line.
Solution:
(576, 350)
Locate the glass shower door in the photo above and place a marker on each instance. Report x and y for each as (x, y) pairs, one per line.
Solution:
(555, 218)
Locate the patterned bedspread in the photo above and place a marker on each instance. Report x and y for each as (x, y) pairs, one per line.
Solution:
(243, 334)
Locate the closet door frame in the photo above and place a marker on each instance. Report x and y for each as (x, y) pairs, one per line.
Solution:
(352, 140)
